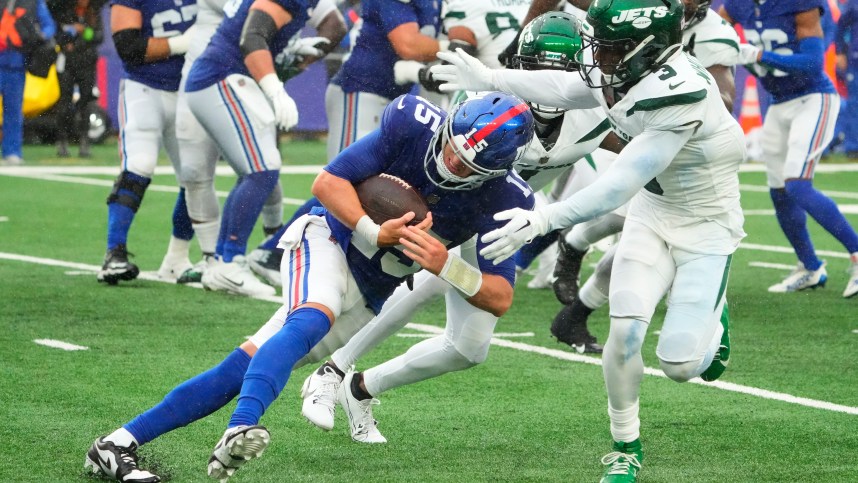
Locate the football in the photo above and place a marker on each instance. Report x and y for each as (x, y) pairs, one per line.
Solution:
(385, 197)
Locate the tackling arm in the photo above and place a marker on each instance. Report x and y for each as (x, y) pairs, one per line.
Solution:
(809, 59)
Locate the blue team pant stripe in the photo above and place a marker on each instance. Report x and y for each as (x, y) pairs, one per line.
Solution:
(819, 133)
(306, 277)
(288, 289)
(356, 102)
(235, 122)
(260, 165)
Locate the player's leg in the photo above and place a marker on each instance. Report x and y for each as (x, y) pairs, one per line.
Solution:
(140, 126)
(12, 89)
(265, 259)
(850, 113)
(351, 115)
(642, 272)
(236, 115)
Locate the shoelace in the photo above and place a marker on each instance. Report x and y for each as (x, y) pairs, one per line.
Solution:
(366, 420)
(326, 394)
(620, 462)
(128, 457)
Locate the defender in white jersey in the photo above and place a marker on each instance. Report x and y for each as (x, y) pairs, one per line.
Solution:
(684, 151)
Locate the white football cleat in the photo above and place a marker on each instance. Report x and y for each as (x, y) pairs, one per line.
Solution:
(801, 279)
(237, 446)
(852, 287)
(359, 413)
(320, 396)
(266, 264)
(235, 277)
(173, 267)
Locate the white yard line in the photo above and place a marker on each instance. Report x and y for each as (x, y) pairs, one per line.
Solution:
(776, 266)
(58, 344)
(557, 354)
(4, 218)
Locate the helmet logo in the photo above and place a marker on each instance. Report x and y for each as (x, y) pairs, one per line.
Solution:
(640, 17)
(470, 141)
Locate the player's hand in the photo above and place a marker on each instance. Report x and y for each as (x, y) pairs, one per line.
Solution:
(748, 54)
(421, 247)
(393, 230)
(523, 227)
(309, 46)
(407, 71)
(463, 73)
(179, 44)
(285, 110)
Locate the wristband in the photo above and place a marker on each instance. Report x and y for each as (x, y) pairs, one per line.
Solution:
(270, 84)
(443, 45)
(368, 229)
(461, 275)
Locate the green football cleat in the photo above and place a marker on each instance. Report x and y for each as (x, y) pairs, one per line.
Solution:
(624, 463)
(722, 357)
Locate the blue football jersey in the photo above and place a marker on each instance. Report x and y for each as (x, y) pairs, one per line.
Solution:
(223, 56)
(398, 147)
(369, 67)
(770, 25)
(161, 18)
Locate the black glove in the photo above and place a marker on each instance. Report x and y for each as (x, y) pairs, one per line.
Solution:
(427, 81)
(505, 57)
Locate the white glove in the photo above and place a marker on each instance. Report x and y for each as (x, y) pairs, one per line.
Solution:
(523, 227)
(463, 73)
(285, 110)
(407, 71)
(179, 44)
(748, 54)
(308, 46)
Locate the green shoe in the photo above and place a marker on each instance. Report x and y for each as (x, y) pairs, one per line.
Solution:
(624, 463)
(722, 357)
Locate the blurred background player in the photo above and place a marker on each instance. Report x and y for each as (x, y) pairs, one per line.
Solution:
(235, 92)
(150, 38)
(785, 52)
(846, 41)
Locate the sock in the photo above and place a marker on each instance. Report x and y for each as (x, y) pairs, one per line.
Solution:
(178, 247)
(272, 210)
(270, 368)
(824, 210)
(528, 253)
(207, 234)
(182, 227)
(121, 437)
(271, 243)
(242, 211)
(119, 216)
(357, 392)
(793, 222)
(334, 368)
(625, 424)
(193, 399)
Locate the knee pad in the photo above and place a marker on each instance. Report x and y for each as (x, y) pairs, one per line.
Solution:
(463, 356)
(472, 353)
(202, 201)
(681, 371)
(626, 337)
(128, 190)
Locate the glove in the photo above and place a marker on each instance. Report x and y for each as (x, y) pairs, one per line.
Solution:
(285, 110)
(428, 81)
(523, 227)
(180, 44)
(748, 54)
(463, 73)
(407, 71)
(308, 46)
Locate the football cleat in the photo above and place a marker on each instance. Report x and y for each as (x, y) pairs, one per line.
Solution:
(801, 279)
(237, 446)
(570, 327)
(266, 264)
(722, 357)
(359, 413)
(852, 287)
(116, 266)
(320, 396)
(623, 464)
(567, 271)
(173, 267)
(116, 462)
(235, 277)
(195, 273)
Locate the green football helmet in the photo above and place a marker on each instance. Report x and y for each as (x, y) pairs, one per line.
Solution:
(550, 41)
(628, 39)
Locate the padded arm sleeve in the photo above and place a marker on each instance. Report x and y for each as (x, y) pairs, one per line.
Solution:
(554, 88)
(808, 60)
(259, 29)
(643, 159)
(131, 46)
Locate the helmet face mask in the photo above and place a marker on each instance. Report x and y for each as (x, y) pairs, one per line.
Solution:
(695, 12)
(628, 39)
(483, 137)
(550, 41)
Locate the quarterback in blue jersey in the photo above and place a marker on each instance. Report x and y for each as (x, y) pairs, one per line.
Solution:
(341, 266)
(785, 52)
(235, 90)
(151, 38)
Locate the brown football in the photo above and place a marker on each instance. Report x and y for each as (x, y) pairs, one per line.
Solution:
(385, 197)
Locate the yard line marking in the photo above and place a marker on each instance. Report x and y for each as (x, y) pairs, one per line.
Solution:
(855, 331)
(58, 344)
(758, 212)
(31, 171)
(778, 266)
(4, 218)
(496, 334)
(778, 249)
(557, 354)
(765, 189)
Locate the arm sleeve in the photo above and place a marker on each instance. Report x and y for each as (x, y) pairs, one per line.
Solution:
(46, 22)
(646, 156)
(807, 61)
(394, 13)
(554, 88)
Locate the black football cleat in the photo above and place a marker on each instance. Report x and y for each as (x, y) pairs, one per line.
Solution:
(570, 328)
(567, 271)
(116, 267)
(117, 462)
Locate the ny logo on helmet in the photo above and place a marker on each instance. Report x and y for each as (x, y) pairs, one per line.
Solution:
(640, 17)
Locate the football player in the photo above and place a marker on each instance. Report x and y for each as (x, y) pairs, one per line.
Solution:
(235, 91)
(680, 171)
(785, 52)
(150, 38)
(341, 266)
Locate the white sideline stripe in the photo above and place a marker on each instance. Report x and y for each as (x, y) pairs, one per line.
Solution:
(557, 354)
(777, 266)
(496, 334)
(777, 249)
(855, 331)
(32, 171)
(765, 189)
(754, 167)
(58, 344)
(4, 218)
(847, 209)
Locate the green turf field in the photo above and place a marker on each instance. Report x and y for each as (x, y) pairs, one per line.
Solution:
(785, 411)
